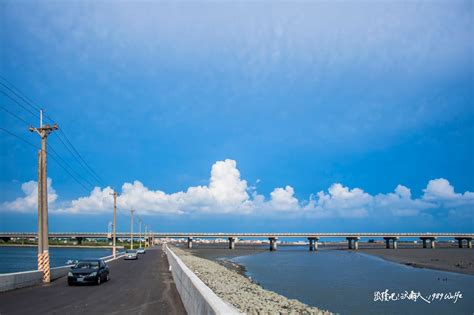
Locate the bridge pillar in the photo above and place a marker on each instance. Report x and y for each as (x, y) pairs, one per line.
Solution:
(273, 243)
(394, 241)
(430, 239)
(231, 242)
(353, 242)
(190, 242)
(78, 240)
(468, 241)
(313, 243)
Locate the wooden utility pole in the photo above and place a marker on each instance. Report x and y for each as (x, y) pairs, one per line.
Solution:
(140, 233)
(43, 243)
(146, 235)
(131, 228)
(114, 234)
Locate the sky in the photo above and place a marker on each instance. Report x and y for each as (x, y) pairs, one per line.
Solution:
(321, 116)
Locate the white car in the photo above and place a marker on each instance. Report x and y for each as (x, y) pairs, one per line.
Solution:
(141, 250)
(131, 254)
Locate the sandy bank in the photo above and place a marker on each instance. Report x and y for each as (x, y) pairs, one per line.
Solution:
(239, 291)
(459, 260)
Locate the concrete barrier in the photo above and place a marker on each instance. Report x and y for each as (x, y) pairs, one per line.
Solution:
(16, 280)
(58, 272)
(197, 297)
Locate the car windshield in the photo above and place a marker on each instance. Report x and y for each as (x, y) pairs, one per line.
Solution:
(87, 265)
(131, 251)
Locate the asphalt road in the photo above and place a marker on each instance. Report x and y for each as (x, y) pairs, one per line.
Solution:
(143, 286)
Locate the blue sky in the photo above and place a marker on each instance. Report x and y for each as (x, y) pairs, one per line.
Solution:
(331, 116)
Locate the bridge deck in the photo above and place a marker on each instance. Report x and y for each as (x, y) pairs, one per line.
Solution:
(144, 286)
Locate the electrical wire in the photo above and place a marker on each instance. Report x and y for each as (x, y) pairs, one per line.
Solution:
(74, 152)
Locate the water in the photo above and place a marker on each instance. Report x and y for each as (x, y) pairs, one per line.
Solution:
(344, 282)
(14, 259)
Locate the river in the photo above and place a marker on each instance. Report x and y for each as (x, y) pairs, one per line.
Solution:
(14, 259)
(345, 282)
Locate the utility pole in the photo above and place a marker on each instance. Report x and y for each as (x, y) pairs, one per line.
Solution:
(146, 239)
(43, 242)
(131, 228)
(140, 227)
(114, 234)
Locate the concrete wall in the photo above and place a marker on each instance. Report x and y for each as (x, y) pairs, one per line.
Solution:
(196, 296)
(15, 280)
(59, 272)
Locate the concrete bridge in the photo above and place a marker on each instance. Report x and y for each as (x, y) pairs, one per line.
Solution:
(391, 239)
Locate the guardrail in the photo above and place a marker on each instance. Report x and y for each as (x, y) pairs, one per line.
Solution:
(197, 297)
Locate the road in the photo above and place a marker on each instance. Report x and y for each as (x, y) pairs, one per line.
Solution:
(143, 286)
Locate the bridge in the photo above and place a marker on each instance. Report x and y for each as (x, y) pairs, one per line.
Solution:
(391, 239)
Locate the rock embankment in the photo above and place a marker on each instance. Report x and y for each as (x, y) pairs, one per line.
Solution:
(242, 293)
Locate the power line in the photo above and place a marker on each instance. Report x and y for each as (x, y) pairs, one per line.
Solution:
(52, 156)
(25, 99)
(18, 93)
(17, 136)
(97, 177)
(68, 165)
(19, 104)
(14, 115)
(58, 156)
(76, 158)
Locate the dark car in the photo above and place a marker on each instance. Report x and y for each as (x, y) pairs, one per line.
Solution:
(88, 271)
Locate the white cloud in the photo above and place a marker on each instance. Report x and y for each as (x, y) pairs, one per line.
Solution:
(228, 193)
(283, 199)
(340, 201)
(100, 200)
(29, 203)
(400, 203)
(441, 192)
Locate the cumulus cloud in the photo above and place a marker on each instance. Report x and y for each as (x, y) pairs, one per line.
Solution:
(340, 201)
(400, 202)
(283, 199)
(441, 191)
(227, 192)
(29, 203)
